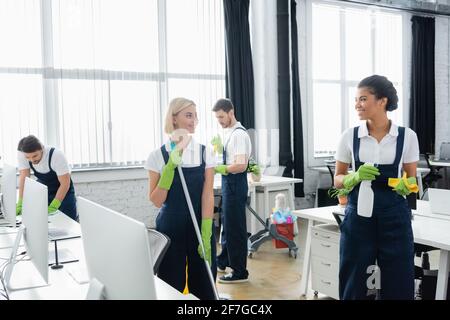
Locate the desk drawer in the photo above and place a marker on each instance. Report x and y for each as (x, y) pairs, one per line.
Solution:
(326, 232)
(325, 267)
(325, 249)
(329, 287)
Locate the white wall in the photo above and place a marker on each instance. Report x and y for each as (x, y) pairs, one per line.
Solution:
(442, 65)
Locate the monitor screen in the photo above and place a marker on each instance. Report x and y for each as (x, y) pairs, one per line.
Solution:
(117, 253)
(8, 190)
(34, 230)
(439, 201)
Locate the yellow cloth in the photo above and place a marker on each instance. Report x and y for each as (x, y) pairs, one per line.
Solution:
(412, 187)
(186, 287)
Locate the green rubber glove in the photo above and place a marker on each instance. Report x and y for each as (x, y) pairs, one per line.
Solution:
(168, 171)
(216, 141)
(222, 169)
(206, 239)
(404, 186)
(54, 206)
(19, 207)
(365, 172)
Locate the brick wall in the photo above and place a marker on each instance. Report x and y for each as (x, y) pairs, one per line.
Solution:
(125, 191)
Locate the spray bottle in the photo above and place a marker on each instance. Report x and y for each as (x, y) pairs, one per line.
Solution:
(365, 198)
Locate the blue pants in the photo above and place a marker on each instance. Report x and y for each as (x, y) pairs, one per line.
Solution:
(181, 253)
(234, 235)
(385, 239)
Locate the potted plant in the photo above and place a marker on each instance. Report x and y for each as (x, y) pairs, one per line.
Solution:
(254, 171)
(341, 194)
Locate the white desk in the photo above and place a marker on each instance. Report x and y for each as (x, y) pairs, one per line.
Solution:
(57, 222)
(266, 185)
(427, 230)
(60, 221)
(440, 163)
(323, 170)
(62, 285)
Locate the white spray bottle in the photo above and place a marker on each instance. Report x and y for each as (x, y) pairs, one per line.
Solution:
(365, 198)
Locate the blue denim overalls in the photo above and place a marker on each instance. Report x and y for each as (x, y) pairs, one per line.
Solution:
(175, 221)
(50, 179)
(234, 233)
(384, 239)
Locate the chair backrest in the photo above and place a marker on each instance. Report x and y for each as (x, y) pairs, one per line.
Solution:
(159, 243)
(445, 151)
(331, 169)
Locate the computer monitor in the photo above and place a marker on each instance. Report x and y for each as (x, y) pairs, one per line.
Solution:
(439, 201)
(8, 198)
(34, 229)
(117, 252)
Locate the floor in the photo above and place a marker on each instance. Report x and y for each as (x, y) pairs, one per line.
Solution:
(274, 275)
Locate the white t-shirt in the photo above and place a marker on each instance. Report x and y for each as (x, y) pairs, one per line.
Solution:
(191, 157)
(237, 142)
(59, 162)
(372, 151)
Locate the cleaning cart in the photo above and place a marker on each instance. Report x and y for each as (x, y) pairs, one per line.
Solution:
(269, 232)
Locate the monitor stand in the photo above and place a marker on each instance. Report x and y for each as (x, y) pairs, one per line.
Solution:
(25, 274)
(61, 256)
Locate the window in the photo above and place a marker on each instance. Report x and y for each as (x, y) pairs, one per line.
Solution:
(99, 81)
(196, 57)
(21, 98)
(349, 43)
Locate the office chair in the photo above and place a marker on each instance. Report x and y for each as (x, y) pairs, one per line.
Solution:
(159, 243)
(331, 169)
(324, 199)
(422, 250)
(433, 176)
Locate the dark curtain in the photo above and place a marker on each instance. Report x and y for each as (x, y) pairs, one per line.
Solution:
(422, 108)
(284, 90)
(239, 66)
(299, 171)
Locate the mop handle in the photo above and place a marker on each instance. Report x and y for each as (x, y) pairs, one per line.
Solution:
(197, 231)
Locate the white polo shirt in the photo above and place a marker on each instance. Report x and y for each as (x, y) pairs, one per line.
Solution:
(59, 162)
(372, 151)
(191, 157)
(236, 142)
